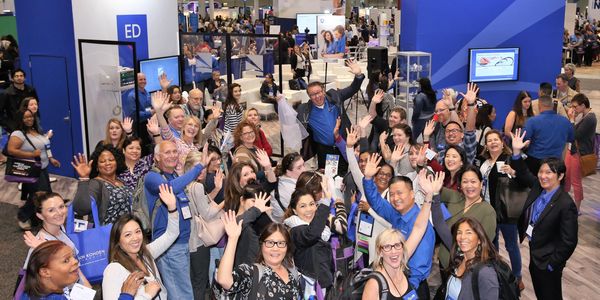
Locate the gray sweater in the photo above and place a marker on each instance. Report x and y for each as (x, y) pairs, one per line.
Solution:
(585, 133)
(488, 284)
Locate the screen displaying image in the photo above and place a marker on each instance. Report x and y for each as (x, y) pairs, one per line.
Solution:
(154, 68)
(307, 21)
(493, 64)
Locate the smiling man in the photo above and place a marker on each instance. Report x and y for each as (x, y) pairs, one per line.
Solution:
(174, 264)
(402, 213)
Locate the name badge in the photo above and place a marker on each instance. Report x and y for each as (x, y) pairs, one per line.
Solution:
(185, 211)
(411, 296)
(80, 292)
(365, 225)
(48, 150)
(529, 231)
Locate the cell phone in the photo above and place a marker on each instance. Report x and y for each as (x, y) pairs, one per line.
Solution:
(430, 154)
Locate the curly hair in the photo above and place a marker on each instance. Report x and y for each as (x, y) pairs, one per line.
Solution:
(118, 155)
(239, 131)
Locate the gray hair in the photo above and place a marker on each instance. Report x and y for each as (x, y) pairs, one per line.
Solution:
(571, 67)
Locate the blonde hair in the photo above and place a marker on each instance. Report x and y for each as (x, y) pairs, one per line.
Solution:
(247, 112)
(107, 140)
(198, 137)
(192, 159)
(386, 236)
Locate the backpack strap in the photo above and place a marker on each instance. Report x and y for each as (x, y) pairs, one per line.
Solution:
(475, 280)
(383, 286)
(258, 270)
(157, 204)
(276, 191)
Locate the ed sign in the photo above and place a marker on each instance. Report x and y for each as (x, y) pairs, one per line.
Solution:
(134, 28)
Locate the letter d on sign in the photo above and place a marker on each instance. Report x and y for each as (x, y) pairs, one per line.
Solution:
(133, 28)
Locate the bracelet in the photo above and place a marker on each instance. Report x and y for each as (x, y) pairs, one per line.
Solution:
(155, 135)
(435, 194)
(471, 104)
(172, 211)
(429, 202)
(452, 109)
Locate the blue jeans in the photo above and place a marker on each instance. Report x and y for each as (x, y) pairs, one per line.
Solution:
(510, 233)
(174, 267)
(215, 253)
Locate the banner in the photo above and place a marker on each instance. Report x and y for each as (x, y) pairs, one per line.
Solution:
(331, 35)
(594, 10)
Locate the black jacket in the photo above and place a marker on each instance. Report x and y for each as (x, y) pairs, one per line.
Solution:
(312, 255)
(10, 102)
(254, 222)
(555, 234)
(264, 90)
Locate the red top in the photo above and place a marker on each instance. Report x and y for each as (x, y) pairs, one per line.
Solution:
(261, 142)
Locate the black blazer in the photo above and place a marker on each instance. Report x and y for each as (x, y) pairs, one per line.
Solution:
(555, 234)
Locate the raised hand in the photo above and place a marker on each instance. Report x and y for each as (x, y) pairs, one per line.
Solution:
(167, 197)
(205, 158)
(429, 128)
(351, 137)
(263, 158)
(364, 122)
(54, 162)
(363, 206)
(517, 141)
(431, 184)
(164, 81)
(325, 187)
(260, 201)
(397, 154)
(421, 158)
(160, 101)
(383, 138)
(233, 228)
(354, 67)
(31, 240)
(336, 129)
(471, 95)
(127, 125)
(372, 166)
(152, 126)
(219, 179)
(82, 166)
(378, 97)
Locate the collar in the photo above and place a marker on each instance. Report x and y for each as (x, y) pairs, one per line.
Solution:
(548, 195)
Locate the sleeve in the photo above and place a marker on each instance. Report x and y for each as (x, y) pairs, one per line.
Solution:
(182, 181)
(571, 134)
(340, 143)
(470, 143)
(265, 143)
(357, 175)
(584, 128)
(206, 208)
(379, 205)
(242, 280)
(163, 242)
(524, 176)
(568, 235)
(489, 287)
(349, 91)
(439, 224)
(340, 222)
(82, 201)
(249, 216)
(114, 277)
(418, 107)
(264, 92)
(306, 236)
(208, 131)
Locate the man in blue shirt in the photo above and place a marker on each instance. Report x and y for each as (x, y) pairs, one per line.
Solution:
(402, 213)
(174, 264)
(548, 134)
(145, 109)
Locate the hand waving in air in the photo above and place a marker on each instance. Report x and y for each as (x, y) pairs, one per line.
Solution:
(82, 166)
(372, 166)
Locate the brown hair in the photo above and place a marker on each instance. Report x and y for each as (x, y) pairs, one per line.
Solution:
(486, 153)
(299, 192)
(117, 254)
(239, 129)
(40, 258)
(310, 181)
(233, 191)
(400, 111)
(41, 197)
(485, 250)
(288, 260)
(287, 163)
(107, 141)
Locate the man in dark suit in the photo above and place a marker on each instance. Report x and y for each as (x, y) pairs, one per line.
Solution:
(549, 221)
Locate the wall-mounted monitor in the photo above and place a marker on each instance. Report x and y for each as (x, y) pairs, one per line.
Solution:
(493, 64)
(307, 21)
(155, 67)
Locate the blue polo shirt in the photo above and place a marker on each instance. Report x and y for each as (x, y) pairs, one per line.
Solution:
(145, 105)
(322, 122)
(548, 133)
(420, 262)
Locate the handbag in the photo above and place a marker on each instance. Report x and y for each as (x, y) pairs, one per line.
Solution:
(92, 244)
(209, 231)
(510, 199)
(588, 164)
(23, 170)
(20, 285)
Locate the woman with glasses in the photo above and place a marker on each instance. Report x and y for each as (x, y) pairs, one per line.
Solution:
(244, 137)
(393, 250)
(277, 276)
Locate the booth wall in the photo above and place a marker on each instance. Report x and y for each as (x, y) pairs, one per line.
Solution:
(8, 25)
(448, 29)
(47, 51)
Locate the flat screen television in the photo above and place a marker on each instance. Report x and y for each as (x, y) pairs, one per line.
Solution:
(307, 21)
(153, 68)
(493, 64)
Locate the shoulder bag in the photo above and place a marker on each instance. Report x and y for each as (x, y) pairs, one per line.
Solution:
(209, 231)
(23, 170)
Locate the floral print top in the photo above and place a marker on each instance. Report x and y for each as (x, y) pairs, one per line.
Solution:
(142, 166)
(119, 202)
(270, 286)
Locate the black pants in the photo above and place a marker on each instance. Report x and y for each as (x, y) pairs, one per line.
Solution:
(199, 264)
(28, 190)
(323, 150)
(423, 290)
(546, 284)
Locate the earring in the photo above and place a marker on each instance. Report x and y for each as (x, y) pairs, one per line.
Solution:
(459, 252)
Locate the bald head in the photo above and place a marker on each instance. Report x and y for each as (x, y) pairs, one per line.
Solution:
(195, 99)
(141, 80)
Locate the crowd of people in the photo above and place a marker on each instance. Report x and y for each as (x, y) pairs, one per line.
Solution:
(228, 220)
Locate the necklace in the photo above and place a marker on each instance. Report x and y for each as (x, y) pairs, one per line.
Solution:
(469, 206)
(48, 232)
(392, 280)
(109, 180)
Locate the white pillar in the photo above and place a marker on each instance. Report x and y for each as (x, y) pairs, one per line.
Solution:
(255, 11)
(211, 9)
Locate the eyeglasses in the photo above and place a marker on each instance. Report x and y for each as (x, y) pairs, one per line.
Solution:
(453, 131)
(315, 94)
(248, 133)
(271, 244)
(388, 247)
